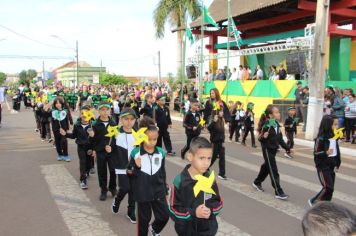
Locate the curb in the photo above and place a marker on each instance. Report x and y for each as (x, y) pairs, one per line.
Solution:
(298, 141)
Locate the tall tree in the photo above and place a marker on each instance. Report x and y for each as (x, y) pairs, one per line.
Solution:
(174, 11)
(2, 77)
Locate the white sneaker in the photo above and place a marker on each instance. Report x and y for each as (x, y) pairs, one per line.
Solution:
(287, 155)
(310, 203)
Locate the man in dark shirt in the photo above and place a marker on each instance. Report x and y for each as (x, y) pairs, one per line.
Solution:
(282, 73)
(299, 97)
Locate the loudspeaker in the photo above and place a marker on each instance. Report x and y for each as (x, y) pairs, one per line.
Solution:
(296, 63)
(191, 71)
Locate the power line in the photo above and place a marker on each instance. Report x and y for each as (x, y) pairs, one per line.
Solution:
(31, 39)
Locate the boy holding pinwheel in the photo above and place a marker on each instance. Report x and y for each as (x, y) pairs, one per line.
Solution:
(105, 131)
(290, 126)
(193, 123)
(82, 131)
(124, 145)
(195, 200)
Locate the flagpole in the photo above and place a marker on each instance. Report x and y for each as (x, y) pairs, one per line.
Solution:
(228, 51)
(183, 63)
(201, 52)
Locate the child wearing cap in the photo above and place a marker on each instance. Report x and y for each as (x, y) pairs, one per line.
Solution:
(103, 150)
(290, 126)
(124, 145)
(249, 124)
(162, 118)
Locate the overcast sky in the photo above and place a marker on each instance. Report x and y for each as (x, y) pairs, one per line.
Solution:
(118, 32)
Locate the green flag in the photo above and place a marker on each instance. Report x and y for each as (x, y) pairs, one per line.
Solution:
(189, 34)
(208, 18)
(234, 32)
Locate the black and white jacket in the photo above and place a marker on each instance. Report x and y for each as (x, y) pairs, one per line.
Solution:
(124, 146)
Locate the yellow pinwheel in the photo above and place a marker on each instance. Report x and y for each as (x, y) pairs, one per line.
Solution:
(202, 122)
(140, 136)
(34, 93)
(216, 106)
(132, 105)
(44, 98)
(338, 133)
(88, 115)
(113, 131)
(204, 184)
(109, 100)
(38, 100)
(27, 94)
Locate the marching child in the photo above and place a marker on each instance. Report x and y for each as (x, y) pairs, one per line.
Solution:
(148, 176)
(290, 126)
(270, 138)
(116, 107)
(45, 114)
(236, 118)
(327, 158)
(147, 110)
(217, 138)
(82, 131)
(190, 214)
(249, 123)
(124, 145)
(191, 125)
(103, 147)
(162, 118)
(60, 121)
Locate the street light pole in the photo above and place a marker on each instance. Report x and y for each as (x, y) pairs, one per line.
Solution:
(77, 57)
(317, 82)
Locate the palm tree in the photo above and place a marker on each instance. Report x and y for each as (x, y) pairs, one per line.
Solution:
(174, 12)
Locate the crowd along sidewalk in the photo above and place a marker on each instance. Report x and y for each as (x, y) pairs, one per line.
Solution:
(350, 150)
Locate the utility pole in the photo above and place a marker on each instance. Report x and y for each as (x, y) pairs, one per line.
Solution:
(77, 57)
(43, 74)
(159, 67)
(317, 82)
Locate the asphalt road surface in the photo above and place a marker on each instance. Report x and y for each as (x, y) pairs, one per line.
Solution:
(41, 196)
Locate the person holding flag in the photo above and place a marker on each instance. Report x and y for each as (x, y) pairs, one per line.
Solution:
(195, 200)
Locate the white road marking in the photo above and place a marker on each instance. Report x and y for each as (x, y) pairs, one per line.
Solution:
(295, 181)
(78, 212)
(269, 200)
(307, 167)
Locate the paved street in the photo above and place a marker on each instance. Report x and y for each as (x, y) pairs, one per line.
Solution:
(41, 196)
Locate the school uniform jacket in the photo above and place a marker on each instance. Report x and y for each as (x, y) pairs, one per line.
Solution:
(124, 146)
(290, 121)
(249, 120)
(274, 139)
(192, 120)
(162, 117)
(99, 141)
(80, 133)
(321, 159)
(183, 204)
(148, 181)
(208, 110)
(147, 110)
(217, 134)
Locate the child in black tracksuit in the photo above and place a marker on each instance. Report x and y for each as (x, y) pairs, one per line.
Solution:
(60, 121)
(249, 123)
(45, 117)
(162, 118)
(290, 126)
(236, 121)
(271, 138)
(191, 125)
(327, 159)
(103, 147)
(124, 145)
(217, 138)
(81, 131)
(191, 216)
(148, 178)
(147, 109)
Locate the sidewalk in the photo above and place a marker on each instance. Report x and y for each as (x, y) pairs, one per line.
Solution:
(345, 148)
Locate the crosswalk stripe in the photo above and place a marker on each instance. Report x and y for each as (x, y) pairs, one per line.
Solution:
(295, 181)
(75, 207)
(29, 149)
(343, 164)
(307, 167)
(264, 198)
